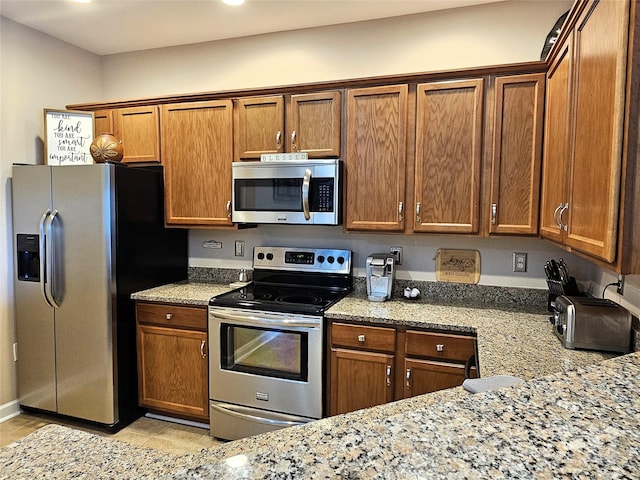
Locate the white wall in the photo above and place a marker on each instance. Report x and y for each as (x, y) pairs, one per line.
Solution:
(36, 72)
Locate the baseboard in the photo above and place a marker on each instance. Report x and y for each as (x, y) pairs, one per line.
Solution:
(9, 410)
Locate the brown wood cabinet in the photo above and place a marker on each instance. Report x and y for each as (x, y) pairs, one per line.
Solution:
(103, 122)
(372, 365)
(172, 360)
(449, 126)
(139, 130)
(376, 157)
(312, 125)
(197, 152)
(595, 79)
(517, 154)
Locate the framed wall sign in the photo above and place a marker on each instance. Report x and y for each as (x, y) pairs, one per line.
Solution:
(67, 137)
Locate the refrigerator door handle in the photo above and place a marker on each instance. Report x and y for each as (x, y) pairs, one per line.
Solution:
(43, 249)
(50, 260)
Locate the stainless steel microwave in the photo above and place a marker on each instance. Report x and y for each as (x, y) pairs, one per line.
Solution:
(294, 192)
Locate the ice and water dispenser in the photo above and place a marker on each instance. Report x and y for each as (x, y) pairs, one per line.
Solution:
(28, 251)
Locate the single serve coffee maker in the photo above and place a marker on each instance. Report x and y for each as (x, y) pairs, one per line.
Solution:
(381, 274)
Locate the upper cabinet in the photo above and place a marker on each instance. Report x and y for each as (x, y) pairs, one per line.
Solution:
(103, 122)
(139, 130)
(587, 91)
(448, 161)
(293, 123)
(197, 152)
(376, 157)
(517, 154)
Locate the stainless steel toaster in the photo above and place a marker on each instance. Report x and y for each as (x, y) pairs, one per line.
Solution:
(592, 323)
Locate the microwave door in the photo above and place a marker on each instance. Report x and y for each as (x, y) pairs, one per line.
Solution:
(306, 181)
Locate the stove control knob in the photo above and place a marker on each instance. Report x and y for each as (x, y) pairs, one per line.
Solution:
(320, 258)
(269, 256)
(340, 260)
(330, 259)
(261, 256)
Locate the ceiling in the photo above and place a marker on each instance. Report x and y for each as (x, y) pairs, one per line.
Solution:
(115, 26)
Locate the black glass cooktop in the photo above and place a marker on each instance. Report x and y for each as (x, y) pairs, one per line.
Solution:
(275, 298)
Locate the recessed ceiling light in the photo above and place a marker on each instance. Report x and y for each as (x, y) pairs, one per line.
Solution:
(81, 1)
(233, 2)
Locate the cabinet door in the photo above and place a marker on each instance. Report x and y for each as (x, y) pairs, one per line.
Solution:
(259, 127)
(423, 376)
(103, 122)
(173, 369)
(556, 146)
(313, 124)
(360, 380)
(197, 152)
(517, 154)
(448, 156)
(138, 129)
(375, 160)
(600, 55)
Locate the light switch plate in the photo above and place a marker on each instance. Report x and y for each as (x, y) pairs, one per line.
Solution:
(239, 248)
(519, 262)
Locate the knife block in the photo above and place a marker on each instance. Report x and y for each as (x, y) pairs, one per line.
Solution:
(556, 288)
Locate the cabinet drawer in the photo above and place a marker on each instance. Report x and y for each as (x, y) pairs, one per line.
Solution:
(172, 315)
(364, 337)
(440, 346)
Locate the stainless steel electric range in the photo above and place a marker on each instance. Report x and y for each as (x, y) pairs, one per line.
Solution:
(266, 341)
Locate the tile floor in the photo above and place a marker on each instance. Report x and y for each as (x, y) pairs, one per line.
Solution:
(148, 432)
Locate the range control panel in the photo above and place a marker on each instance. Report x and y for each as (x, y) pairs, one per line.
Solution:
(302, 259)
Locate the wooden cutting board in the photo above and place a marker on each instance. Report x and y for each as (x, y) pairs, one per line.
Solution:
(459, 266)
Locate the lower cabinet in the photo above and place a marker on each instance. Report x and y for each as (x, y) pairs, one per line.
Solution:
(172, 360)
(374, 365)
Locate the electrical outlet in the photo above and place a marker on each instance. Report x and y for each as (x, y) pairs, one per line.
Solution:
(519, 262)
(620, 288)
(397, 253)
(239, 248)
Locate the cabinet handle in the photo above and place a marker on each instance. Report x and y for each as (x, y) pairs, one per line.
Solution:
(169, 316)
(361, 338)
(562, 225)
(202, 350)
(388, 375)
(229, 208)
(494, 213)
(418, 212)
(555, 216)
(278, 140)
(440, 347)
(400, 208)
(294, 147)
(408, 379)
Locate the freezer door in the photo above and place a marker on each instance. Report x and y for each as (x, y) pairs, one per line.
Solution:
(84, 288)
(31, 198)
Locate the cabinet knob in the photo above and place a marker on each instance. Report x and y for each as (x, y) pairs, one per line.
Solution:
(494, 213)
(388, 375)
(418, 207)
(408, 379)
(169, 316)
(440, 347)
(294, 146)
(400, 208)
(278, 141)
(361, 338)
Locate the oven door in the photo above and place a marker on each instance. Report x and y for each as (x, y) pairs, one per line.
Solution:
(266, 360)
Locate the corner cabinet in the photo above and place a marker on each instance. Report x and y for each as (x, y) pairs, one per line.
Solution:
(372, 365)
(308, 123)
(517, 154)
(449, 126)
(173, 366)
(376, 157)
(197, 153)
(586, 109)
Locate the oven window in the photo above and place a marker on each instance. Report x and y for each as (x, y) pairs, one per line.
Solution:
(268, 194)
(266, 352)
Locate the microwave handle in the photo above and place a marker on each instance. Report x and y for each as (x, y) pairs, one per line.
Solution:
(305, 193)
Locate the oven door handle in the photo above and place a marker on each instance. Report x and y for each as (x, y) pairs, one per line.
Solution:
(265, 319)
(229, 410)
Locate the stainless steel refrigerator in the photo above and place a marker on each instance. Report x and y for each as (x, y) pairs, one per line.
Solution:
(85, 238)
